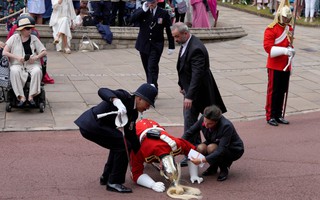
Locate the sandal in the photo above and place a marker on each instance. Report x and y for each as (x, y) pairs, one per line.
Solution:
(67, 50)
(55, 41)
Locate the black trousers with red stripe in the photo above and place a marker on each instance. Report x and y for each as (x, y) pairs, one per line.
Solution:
(278, 82)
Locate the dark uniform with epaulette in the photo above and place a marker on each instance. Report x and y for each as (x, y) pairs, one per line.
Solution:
(150, 41)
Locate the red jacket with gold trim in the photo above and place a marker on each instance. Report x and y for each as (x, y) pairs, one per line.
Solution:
(152, 149)
(274, 37)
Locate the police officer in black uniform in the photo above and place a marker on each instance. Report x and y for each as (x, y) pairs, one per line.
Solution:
(150, 42)
(104, 132)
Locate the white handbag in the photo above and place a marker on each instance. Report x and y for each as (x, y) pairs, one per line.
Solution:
(86, 44)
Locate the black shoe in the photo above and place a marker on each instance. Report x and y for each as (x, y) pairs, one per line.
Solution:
(210, 171)
(223, 174)
(21, 103)
(280, 120)
(184, 162)
(273, 122)
(118, 188)
(32, 103)
(103, 180)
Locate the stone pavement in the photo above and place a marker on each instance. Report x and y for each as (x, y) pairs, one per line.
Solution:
(237, 65)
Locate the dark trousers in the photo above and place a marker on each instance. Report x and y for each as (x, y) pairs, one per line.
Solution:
(191, 117)
(101, 12)
(227, 157)
(150, 64)
(116, 166)
(278, 82)
(179, 17)
(117, 10)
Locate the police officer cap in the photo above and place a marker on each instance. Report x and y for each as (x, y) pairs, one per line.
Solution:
(147, 92)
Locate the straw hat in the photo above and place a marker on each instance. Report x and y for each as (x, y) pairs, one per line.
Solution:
(25, 21)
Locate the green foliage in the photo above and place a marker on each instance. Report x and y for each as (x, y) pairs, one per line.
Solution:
(266, 12)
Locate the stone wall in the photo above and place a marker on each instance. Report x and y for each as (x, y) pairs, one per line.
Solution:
(125, 37)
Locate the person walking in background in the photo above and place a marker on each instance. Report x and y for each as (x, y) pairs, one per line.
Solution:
(277, 43)
(61, 22)
(222, 143)
(36, 8)
(196, 82)
(101, 11)
(104, 132)
(309, 10)
(150, 42)
(200, 17)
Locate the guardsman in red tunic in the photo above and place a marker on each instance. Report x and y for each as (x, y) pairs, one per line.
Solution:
(159, 146)
(278, 44)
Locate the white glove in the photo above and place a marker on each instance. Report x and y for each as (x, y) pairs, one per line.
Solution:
(146, 181)
(158, 187)
(169, 141)
(291, 52)
(145, 7)
(121, 108)
(170, 51)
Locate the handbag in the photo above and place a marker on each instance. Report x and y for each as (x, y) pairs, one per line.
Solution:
(4, 72)
(182, 7)
(86, 44)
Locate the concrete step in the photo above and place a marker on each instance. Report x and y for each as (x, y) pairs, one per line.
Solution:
(125, 37)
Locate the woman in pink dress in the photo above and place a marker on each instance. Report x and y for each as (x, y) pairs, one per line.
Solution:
(213, 8)
(200, 17)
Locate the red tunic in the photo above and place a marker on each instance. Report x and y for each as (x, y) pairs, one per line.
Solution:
(154, 147)
(270, 36)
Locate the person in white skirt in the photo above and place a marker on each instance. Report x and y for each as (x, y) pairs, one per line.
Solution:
(61, 22)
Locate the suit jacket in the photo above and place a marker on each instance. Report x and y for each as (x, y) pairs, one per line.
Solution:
(89, 122)
(195, 77)
(224, 135)
(151, 30)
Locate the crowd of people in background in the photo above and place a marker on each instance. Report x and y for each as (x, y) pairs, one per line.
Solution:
(118, 12)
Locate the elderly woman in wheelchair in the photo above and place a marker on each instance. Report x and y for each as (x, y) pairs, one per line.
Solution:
(24, 51)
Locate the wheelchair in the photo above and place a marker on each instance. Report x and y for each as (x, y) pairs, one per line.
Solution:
(40, 99)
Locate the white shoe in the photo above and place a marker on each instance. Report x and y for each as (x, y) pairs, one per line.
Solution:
(306, 19)
(67, 50)
(311, 19)
(258, 8)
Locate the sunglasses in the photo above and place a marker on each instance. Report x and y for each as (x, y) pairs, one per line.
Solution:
(28, 28)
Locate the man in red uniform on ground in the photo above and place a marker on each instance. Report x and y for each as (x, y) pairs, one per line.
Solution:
(278, 44)
(159, 146)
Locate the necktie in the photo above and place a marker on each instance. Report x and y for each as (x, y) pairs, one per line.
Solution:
(180, 51)
(151, 10)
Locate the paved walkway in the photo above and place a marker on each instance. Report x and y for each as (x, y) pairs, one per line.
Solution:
(280, 163)
(238, 67)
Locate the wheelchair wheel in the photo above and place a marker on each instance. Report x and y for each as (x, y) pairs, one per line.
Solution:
(41, 107)
(8, 107)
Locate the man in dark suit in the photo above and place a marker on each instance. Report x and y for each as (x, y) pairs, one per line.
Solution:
(150, 42)
(103, 131)
(195, 78)
(222, 143)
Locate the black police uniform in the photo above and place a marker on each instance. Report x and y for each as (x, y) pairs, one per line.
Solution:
(103, 132)
(150, 41)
